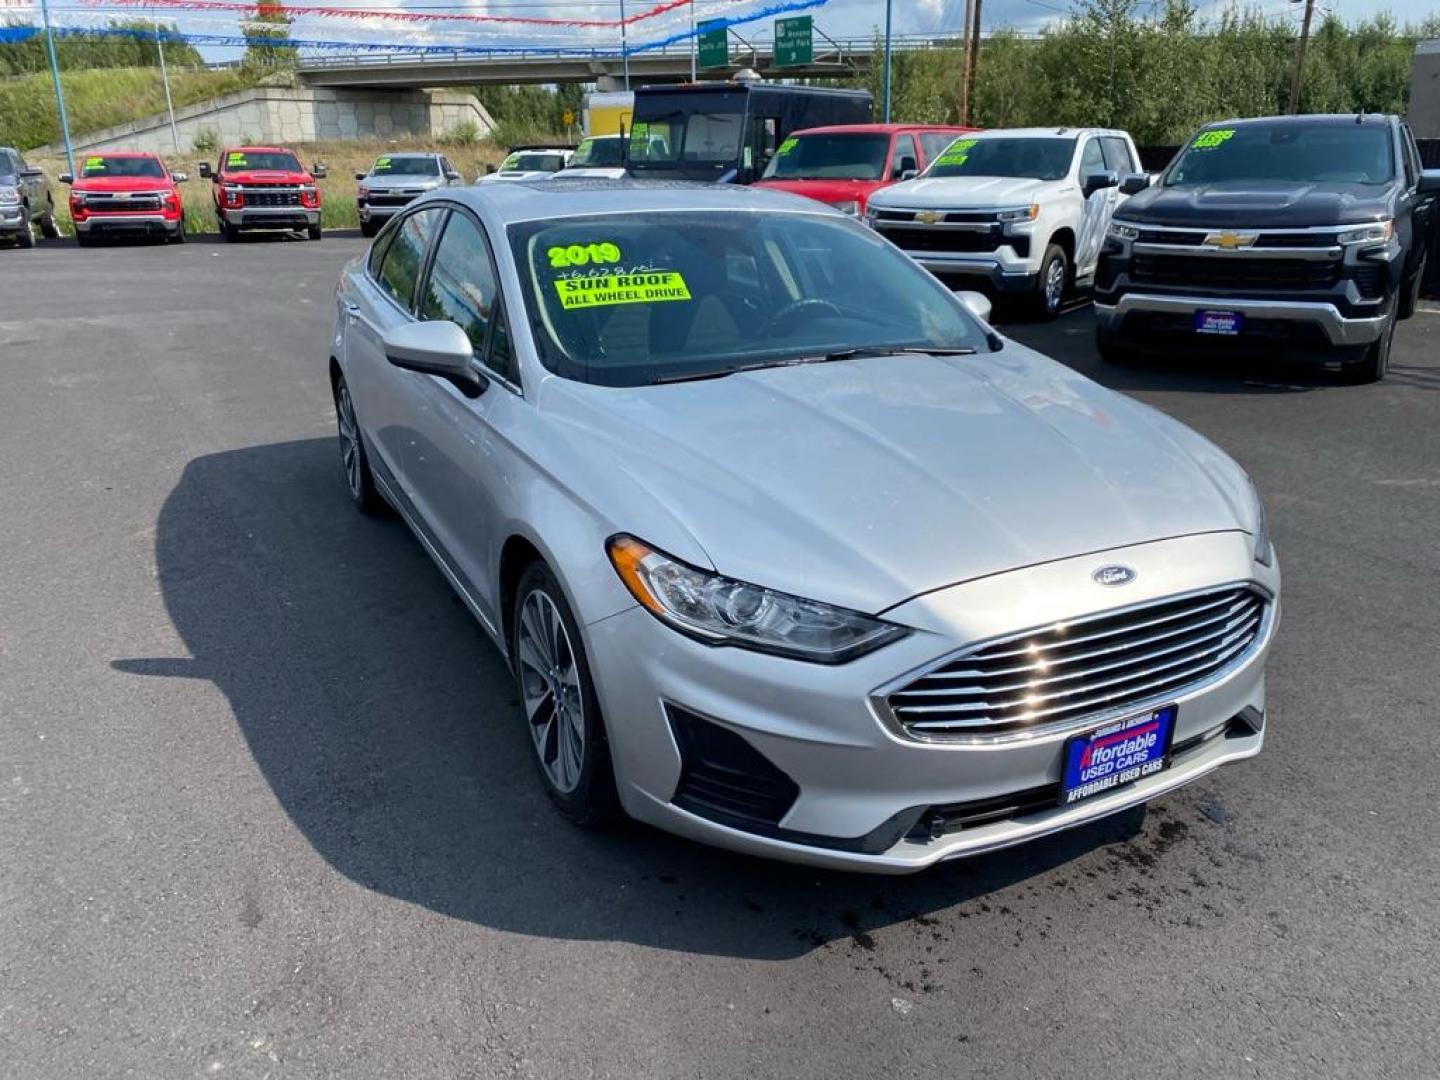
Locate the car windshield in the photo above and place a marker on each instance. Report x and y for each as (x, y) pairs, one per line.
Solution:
(599, 152)
(101, 165)
(687, 138)
(523, 162)
(635, 298)
(1041, 158)
(853, 156)
(406, 165)
(261, 161)
(1313, 153)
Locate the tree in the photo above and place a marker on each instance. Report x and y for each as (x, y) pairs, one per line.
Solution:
(263, 31)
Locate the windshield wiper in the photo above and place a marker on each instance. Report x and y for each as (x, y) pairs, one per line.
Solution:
(720, 373)
(884, 350)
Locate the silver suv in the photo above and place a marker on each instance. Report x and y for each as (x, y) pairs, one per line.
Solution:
(25, 200)
(394, 181)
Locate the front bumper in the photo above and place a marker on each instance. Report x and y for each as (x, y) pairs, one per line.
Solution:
(1339, 330)
(12, 220)
(370, 213)
(133, 224)
(864, 786)
(271, 217)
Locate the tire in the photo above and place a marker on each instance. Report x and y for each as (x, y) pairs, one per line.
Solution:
(48, 229)
(550, 666)
(178, 236)
(1051, 284)
(315, 232)
(228, 232)
(1112, 352)
(83, 239)
(1410, 298)
(25, 238)
(1375, 361)
(354, 461)
(367, 229)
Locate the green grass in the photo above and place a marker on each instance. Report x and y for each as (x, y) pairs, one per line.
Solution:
(101, 98)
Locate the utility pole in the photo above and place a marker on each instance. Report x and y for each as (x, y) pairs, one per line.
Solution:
(694, 41)
(59, 93)
(886, 93)
(165, 78)
(974, 60)
(1299, 69)
(624, 46)
(965, 64)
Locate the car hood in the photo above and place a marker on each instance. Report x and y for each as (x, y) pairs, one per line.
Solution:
(408, 183)
(827, 191)
(267, 176)
(866, 482)
(1258, 205)
(961, 191)
(121, 183)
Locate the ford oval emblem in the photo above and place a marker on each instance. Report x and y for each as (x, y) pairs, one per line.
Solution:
(1115, 574)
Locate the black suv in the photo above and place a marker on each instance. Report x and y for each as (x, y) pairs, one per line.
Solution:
(1303, 233)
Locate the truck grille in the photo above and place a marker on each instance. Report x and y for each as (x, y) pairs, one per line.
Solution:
(260, 196)
(1246, 273)
(920, 238)
(1196, 238)
(146, 202)
(1070, 670)
(393, 198)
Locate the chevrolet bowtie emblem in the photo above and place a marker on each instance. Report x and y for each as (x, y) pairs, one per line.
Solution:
(928, 217)
(1230, 240)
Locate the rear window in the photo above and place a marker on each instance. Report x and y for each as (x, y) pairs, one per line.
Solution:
(102, 165)
(1314, 153)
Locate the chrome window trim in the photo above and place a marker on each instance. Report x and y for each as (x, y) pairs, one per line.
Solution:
(880, 704)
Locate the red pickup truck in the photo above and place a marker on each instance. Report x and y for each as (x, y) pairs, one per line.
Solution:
(845, 164)
(125, 194)
(264, 187)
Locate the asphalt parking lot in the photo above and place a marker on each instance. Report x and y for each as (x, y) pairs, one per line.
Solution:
(266, 808)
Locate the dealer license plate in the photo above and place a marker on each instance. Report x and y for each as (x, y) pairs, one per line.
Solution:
(1224, 323)
(1117, 754)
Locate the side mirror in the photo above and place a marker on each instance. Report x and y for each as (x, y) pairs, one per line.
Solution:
(179, 177)
(319, 171)
(361, 175)
(452, 176)
(909, 174)
(978, 304)
(66, 178)
(907, 165)
(1099, 182)
(30, 172)
(1429, 182)
(206, 172)
(435, 348)
(1134, 183)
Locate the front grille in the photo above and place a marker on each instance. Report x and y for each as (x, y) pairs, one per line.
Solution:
(1240, 272)
(951, 217)
(260, 196)
(135, 204)
(920, 238)
(393, 198)
(1196, 238)
(1071, 670)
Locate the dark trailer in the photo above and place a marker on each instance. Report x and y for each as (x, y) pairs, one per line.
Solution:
(728, 132)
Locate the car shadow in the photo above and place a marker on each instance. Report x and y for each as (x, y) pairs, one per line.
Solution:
(387, 727)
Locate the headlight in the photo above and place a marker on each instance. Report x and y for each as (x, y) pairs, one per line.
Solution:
(9, 196)
(363, 192)
(1264, 550)
(308, 189)
(1377, 233)
(720, 611)
(1024, 213)
(1120, 231)
(849, 207)
(871, 215)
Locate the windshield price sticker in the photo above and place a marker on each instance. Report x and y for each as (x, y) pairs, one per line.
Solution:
(956, 152)
(94, 164)
(382, 164)
(509, 163)
(1208, 140)
(787, 146)
(235, 161)
(608, 290)
(583, 255)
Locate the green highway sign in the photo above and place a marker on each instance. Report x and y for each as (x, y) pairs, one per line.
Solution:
(794, 43)
(713, 49)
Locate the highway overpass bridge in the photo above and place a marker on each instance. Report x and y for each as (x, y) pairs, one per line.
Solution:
(604, 67)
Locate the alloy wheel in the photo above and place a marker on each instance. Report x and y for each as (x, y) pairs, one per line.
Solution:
(550, 687)
(1054, 284)
(349, 440)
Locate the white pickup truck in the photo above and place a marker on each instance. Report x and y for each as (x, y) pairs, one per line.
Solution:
(1024, 210)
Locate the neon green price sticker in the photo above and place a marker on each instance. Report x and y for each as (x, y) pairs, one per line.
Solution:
(1208, 140)
(381, 164)
(787, 146)
(94, 164)
(236, 160)
(957, 152)
(609, 290)
(510, 162)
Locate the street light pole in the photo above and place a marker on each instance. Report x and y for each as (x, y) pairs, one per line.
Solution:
(694, 41)
(59, 93)
(1299, 68)
(886, 92)
(974, 60)
(624, 46)
(165, 78)
(965, 64)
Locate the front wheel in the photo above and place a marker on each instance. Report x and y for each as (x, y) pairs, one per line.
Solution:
(228, 232)
(1051, 283)
(359, 480)
(26, 236)
(561, 709)
(48, 229)
(367, 229)
(1375, 361)
(315, 232)
(178, 236)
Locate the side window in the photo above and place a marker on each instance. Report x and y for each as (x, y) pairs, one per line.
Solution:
(445, 165)
(1092, 160)
(462, 289)
(1411, 153)
(904, 149)
(1117, 155)
(401, 261)
(935, 142)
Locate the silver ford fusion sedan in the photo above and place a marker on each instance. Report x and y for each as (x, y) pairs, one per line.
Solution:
(788, 550)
